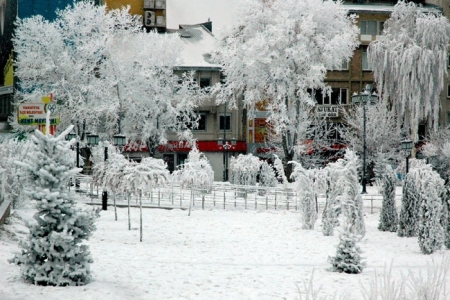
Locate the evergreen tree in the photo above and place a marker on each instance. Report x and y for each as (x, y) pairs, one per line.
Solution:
(408, 219)
(54, 252)
(430, 231)
(332, 208)
(304, 183)
(348, 254)
(352, 206)
(267, 175)
(388, 215)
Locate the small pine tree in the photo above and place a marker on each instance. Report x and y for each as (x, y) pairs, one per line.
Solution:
(54, 252)
(348, 254)
(409, 212)
(304, 183)
(388, 215)
(430, 231)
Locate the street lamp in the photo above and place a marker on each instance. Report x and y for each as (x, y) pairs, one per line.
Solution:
(406, 147)
(363, 98)
(226, 145)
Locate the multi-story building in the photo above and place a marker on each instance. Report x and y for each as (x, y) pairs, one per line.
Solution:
(357, 73)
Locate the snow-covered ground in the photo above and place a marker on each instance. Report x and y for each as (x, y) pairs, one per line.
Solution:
(215, 254)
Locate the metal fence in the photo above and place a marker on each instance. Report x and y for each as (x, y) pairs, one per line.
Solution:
(219, 196)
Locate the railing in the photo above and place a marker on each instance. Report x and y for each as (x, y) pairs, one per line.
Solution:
(219, 196)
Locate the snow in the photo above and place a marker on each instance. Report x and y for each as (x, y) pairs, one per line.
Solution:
(215, 254)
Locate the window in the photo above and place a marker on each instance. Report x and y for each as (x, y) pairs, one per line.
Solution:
(365, 61)
(225, 122)
(344, 65)
(205, 83)
(448, 117)
(448, 91)
(371, 27)
(338, 96)
(448, 61)
(201, 122)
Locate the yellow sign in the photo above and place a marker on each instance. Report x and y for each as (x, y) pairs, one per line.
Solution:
(36, 113)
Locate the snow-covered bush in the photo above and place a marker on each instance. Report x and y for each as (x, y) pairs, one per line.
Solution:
(13, 150)
(304, 184)
(244, 169)
(430, 231)
(55, 252)
(348, 254)
(388, 215)
(352, 206)
(267, 177)
(196, 172)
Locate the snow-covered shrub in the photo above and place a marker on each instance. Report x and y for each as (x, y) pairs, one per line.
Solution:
(196, 172)
(352, 206)
(13, 150)
(244, 169)
(388, 215)
(55, 252)
(304, 184)
(266, 176)
(329, 183)
(430, 231)
(348, 254)
(409, 213)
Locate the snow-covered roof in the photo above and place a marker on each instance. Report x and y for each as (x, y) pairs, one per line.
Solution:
(380, 8)
(198, 43)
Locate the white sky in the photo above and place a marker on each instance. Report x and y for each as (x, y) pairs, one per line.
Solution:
(216, 254)
(220, 12)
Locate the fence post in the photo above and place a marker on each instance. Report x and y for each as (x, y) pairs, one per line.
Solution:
(275, 199)
(159, 197)
(223, 197)
(267, 202)
(371, 205)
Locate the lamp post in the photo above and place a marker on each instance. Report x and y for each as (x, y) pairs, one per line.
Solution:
(406, 147)
(119, 140)
(363, 98)
(226, 145)
(69, 137)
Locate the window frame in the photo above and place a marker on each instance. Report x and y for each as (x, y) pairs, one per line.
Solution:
(226, 116)
(202, 119)
(367, 67)
(379, 27)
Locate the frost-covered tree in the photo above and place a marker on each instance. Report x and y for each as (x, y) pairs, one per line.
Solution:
(409, 62)
(382, 135)
(55, 251)
(388, 215)
(348, 254)
(244, 169)
(196, 172)
(105, 69)
(304, 184)
(430, 230)
(10, 151)
(278, 165)
(352, 206)
(279, 51)
(142, 177)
